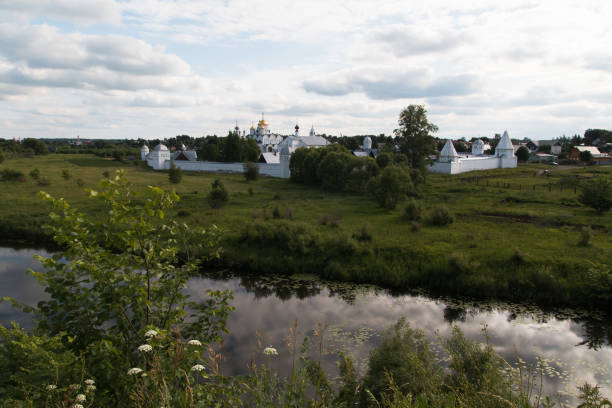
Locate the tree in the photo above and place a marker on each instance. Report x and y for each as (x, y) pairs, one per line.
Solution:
(333, 170)
(36, 145)
(231, 148)
(251, 171)
(218, 196)
(1, 156)
(596, 194)
(209, 151)
(522, 154)
(390, 186)
(586, 156)
(175, 174)
(414, 135)
(122, 273)
(250, 150)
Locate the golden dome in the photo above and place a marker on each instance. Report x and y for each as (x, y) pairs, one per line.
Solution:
(262, 123)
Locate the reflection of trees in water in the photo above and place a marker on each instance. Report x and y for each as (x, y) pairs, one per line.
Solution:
(596, 330)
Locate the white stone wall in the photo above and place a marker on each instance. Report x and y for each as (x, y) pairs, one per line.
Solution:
(473, 163)
(265, 169)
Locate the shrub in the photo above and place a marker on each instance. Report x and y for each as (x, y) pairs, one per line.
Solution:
(175, 174)
(276, 212)
(80, 182)
(66, 174)
(364, 234)
(596, 194)
(390, 186)
(413, 211)
(1, 156)
(251, 193)
(440, 216)
(44, 182)
(35, 174)
(585, 236)
(218, 196)
(522, 154)
(12, 175)
(106, 174)
(518, 257)
(251, 171)
(405, 357)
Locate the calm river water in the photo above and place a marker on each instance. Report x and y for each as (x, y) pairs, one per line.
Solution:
(574, 347)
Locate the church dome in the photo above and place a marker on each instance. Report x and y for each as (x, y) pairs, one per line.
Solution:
(160, 148)
(478, 142)
(367, 143)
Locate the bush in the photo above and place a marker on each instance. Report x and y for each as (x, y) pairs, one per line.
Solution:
(35, 174)
(44, 182)
(522, 154)
(12, 175)
(80, 182)
(183, 213)
(390, 186)
(251, 171)
(413, 211)
(596, 194)
(440, 216)
(106, 174)
(66, 174)
(276, 212)
(364, 234)
(585, 236)
(251, 193)
(175, 174)
(218, 196)
(1, 156)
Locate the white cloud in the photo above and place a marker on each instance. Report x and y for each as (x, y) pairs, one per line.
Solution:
(75, 11)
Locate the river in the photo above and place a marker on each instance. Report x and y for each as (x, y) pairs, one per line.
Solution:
(573, 346)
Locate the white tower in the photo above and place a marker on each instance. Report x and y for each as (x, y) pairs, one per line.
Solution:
(297, 130)
(478, 147)
(367, 144)
(312, 132)
(144, 150)
(448, 153)
(159, 156)
(505, 152)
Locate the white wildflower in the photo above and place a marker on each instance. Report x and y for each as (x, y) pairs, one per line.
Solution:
(51, 387)
(270, 351)
(151, 333)
(134, 371)
(77, 406)
(74, 386)
(197, 367)
(90, 382)
(80, 398)
(145, 348)
(194, 343)
(90, 388)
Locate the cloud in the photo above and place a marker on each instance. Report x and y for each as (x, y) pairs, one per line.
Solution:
(405, 40)
(74, 11)
(40, 55)
(386, 83)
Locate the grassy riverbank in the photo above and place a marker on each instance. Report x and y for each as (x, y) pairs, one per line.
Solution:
(509, 242)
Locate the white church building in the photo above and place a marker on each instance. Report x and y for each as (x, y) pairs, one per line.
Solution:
(450, 162)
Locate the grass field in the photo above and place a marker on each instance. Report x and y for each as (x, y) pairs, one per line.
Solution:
(509, 239)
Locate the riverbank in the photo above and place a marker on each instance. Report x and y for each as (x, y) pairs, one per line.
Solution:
(515, 236)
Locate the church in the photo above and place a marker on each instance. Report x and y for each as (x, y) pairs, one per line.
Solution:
(450, 162)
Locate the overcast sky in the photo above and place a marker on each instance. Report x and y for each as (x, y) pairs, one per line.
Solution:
(158, 68)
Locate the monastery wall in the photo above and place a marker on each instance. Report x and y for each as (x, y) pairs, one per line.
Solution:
(265, 169)
(464, 165)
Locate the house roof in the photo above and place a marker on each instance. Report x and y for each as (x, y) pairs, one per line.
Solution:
(269, 157)
(592, 149)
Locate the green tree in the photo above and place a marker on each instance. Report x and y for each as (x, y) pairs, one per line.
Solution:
(250, 150)
(390, 186)
(414, 135)
(232, 148)
(596, 194)
(251, 171)
(383, 159)
(38, 146)
(121, 273)
(586, 156)
(1, 156)
(218, 196)
(175, 174)
(333, 171)
(522, 154)
(209, 152)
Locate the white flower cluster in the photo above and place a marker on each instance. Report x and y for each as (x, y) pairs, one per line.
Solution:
(151, 333)
(134, 371)
(145, 348)
(80, 398)
(194, 343)
(270, 351)
(77, 406)
(90, 382)
(51, 387)
(197, 367)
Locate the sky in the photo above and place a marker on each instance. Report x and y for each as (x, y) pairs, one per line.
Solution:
(158, 68)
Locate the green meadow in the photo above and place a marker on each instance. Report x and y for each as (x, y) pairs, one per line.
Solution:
(515, 233)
